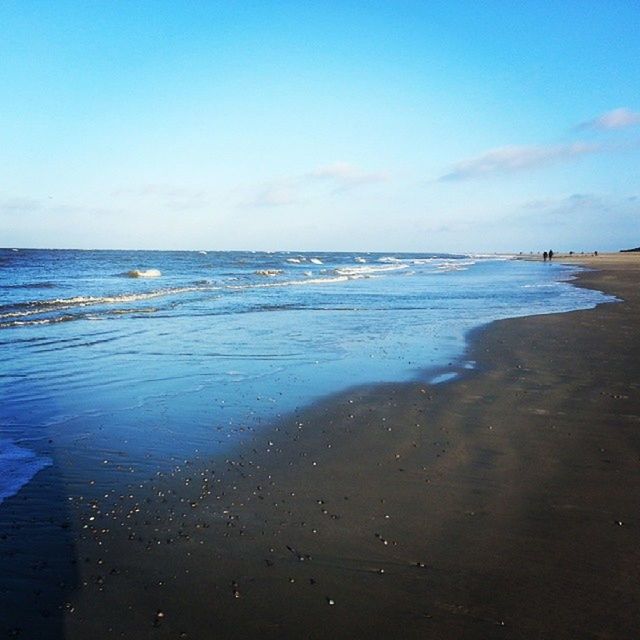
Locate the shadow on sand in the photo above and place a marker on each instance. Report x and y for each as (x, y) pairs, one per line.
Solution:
(37, 559)
(37, 544)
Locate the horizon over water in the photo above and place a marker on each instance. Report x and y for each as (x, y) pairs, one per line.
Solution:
(117, 364)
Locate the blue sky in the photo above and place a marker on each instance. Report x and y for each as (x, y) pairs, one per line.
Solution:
(417, 126)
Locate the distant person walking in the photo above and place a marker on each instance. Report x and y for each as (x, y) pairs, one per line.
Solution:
(550, 255)
(544, 256)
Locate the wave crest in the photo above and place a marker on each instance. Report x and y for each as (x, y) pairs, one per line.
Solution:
(368, 271)
(143, 273)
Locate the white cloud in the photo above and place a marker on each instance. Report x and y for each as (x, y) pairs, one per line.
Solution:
(516, 158)
(18, 205)
(275, 195)
(573, 222)
(615, 119)
(339, 176)
(172, 197)
(583, 218)
(346, 176)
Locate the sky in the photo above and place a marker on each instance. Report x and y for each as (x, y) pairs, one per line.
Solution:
(366, 126)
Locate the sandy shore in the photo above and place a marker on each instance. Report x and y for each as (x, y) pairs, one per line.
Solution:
(502, 505)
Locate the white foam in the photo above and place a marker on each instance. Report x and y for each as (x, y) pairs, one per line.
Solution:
(292, 283)
(439, 263)
(269, 272)
(368, 270)
(494, 256)
(144, 273)
(25, 315)
(455, 264)
(315, 260)
(451, 267)
(319, 280)
(294, 260)
(29, 323)
(359, 259)
(444, 377)
(17, 467)
(60, 304)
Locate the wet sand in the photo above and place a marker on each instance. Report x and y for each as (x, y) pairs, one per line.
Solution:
(502, 505)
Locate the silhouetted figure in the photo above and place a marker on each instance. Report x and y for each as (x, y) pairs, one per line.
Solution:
(595, 253)
(544, 256)
(550, 255)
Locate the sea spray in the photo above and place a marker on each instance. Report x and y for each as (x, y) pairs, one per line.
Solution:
(144, 273)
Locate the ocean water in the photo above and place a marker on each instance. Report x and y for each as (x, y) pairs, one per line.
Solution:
(117, 364)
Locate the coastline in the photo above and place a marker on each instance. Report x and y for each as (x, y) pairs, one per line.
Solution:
(489, 507)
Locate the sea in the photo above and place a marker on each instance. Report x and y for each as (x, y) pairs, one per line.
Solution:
(119, 364)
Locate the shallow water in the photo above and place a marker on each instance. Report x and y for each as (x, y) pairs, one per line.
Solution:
(120, 363)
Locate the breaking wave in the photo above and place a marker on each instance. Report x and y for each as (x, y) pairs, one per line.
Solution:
(43, 312)
(143, 273)
(269, 272)
(35, 307)
(369, 270)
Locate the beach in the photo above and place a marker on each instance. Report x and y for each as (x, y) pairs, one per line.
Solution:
(319, 321)
(500, 505)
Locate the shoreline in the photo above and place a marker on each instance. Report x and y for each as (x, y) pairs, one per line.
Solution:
(480, 508)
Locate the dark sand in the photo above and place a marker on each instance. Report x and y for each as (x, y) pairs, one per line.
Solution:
(503, 505)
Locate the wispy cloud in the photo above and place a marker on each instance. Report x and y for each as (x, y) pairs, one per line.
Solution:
(578, 222)
(27, 206)
(516, 158)
(573, 218)
(338, 176)
(171, 196)
(346, 176)
(616, 119)
(14, 206)
(558, 207)
(274, 195)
